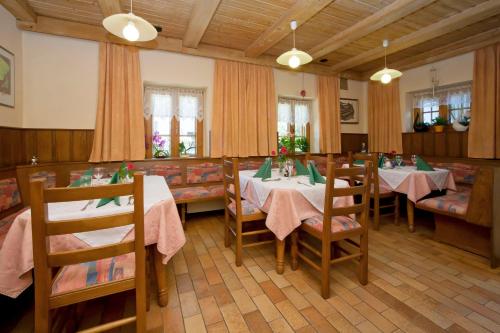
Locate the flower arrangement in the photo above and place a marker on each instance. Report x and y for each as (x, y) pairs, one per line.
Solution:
(125, 171)
(158, 146)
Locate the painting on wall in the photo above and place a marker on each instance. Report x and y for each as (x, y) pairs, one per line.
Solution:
(7, 77)
(349, 111)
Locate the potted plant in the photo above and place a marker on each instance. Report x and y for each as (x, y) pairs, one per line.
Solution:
(421, 126)
(183, 151)
(302, 144)
(438, 124)
(158, 146)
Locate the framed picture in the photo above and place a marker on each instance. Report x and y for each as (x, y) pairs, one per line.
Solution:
(349, 111)
(7, 78)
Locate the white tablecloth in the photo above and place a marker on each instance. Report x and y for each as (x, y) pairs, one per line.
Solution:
(394, 177)
(315, 194)
(155, 190)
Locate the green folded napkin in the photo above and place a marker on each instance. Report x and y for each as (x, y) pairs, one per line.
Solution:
(264, 171)
(300, 169)
(78, 182)
(422, 165)
(381, 162)
(359, 162)
(105, 201)
(314, 175)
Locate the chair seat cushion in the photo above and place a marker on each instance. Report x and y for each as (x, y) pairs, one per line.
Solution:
(339, 223)
(79, 276)
(455, 203)
(247, 208)
(216, 190)
(190, 193)
(6, 223)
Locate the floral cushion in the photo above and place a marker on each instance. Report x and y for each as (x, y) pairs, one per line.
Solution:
(247, 208)
(48, 176)
(189, 193)
(9, 193)
(254, 165)
(92, 273)
(171, 173)
(206, 172)
(462, 173)
(339, 223)
(453, 202)
(74, 175)
(216, 190)
(6, 223)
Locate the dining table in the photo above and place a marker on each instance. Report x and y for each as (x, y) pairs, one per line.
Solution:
(164, 235)
(287, 201)
(415, 184)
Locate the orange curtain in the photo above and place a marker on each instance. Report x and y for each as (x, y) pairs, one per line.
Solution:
(119, 130)
(244, 111)
(329, 114)
(384, 117)
(484, 130)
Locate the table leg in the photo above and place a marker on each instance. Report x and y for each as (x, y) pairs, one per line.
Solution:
(161, 278)
(410, 210)
(280, 256)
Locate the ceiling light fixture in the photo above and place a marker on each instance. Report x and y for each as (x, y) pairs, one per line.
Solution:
(294, 58)
(387, 74)
(130, 27)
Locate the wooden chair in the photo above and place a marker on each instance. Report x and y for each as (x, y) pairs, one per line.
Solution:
(381, 197)
(244, 214)
(53, 291)
(336, 226)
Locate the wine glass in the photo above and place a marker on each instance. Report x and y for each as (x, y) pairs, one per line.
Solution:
(399, 160)
(98, 174)
(414, 159)
(85, 180)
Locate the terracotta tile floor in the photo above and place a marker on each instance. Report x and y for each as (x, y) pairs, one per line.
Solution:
(415, 285)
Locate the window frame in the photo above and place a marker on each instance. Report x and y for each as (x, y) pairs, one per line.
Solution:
(291, 126)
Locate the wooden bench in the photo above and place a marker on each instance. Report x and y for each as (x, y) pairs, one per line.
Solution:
(463, 218)
(10, 201)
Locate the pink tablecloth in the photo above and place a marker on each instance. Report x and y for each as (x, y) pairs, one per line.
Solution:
(417, 185)
(286, 208)
(162, 226)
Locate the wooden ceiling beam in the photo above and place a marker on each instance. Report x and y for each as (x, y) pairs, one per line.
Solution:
(201, 15)
(109, 7)
(447, 25)
(72, 29)
(301, 12)
(450, 50)
(21, 9)
(387, 15)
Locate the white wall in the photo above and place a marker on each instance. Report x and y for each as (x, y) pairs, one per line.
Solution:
(449, 71)
(61, 77)
(10, 39)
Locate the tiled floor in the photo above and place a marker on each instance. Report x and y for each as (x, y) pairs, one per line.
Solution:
(415, 285)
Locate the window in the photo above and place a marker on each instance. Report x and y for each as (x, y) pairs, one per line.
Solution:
(294, 120)
(174, 120)
(430, 109)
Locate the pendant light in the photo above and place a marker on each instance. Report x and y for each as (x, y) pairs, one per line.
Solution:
(294, 58)
(385, 75)
(130, 27)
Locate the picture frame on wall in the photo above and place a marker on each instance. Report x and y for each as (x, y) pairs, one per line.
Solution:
(7, 78)
(349, 111)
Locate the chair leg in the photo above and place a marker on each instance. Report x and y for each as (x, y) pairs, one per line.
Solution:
(295, 249)
(183, 215)
(325, 269)
(42, 313)
(396, 209)
(227, 230)
(376, 213)
(363, 261)
(239, 243)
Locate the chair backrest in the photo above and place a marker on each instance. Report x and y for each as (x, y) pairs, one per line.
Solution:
(358, 189)
(373, 159)
(232, 189)
(320, 161)
(45, 259)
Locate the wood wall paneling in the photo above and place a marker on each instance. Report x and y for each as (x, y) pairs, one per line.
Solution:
(353, 141)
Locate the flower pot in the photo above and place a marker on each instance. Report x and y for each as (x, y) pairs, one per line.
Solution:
(438, 128)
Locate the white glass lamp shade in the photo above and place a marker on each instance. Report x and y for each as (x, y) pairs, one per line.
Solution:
(130, 27)
(386, 75)
(294, 58)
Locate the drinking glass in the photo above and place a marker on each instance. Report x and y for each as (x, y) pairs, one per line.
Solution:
(414, 159)
(289, 167)
(399, 160)
(98, 174)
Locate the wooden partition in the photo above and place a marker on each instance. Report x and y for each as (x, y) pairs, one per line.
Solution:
(447, 144)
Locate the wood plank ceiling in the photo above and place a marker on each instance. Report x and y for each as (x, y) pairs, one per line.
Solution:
(344, 36)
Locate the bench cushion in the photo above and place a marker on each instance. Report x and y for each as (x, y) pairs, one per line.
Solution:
(247, 208)
(339, 223)
(190, 193)
(79, 276)
(203, 173)
(48, 176)
(171, 173)
(216, 190)
(9, 193)
(453, 203)
(462, 173)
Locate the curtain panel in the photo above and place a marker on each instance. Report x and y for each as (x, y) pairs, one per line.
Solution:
(384, 117)
(329, 114)
(244, 110)
(119, 130)
(484, 130)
